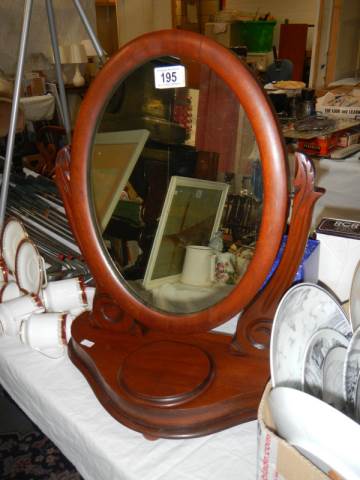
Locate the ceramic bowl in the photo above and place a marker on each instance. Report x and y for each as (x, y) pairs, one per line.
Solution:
(304, 309)
(324, 435)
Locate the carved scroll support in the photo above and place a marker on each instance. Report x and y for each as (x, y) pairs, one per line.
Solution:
(62, 179)
(109, 315)
(254, 325)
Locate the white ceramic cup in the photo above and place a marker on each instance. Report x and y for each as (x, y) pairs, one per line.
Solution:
(15, 310)
(75, 312)
(65, 295)
(47, 332)
(90, 294)
(198, 269)
(10, 290)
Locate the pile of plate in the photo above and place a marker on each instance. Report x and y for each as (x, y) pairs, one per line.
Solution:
(38, 311)
(315, 370)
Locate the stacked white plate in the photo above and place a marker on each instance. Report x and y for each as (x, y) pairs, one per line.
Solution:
(315, 371)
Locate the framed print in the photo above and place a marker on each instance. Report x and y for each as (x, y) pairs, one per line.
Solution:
(191, 214)
(114, 157)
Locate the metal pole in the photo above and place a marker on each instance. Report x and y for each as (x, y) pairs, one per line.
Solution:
(90, 31)
(55, 47)
(14, 111)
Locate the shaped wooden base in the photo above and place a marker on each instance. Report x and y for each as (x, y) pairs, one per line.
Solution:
(171, 387)
(178, 386)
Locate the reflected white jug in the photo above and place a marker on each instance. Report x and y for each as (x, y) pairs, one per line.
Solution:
(199, 266)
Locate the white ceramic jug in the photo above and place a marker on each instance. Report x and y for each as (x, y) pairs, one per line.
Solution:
(199, 266)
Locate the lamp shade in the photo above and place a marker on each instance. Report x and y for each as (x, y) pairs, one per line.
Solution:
(77, 53)
(89, 48)
(64, 51)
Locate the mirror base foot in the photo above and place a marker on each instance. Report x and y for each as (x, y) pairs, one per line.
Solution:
(181, 400)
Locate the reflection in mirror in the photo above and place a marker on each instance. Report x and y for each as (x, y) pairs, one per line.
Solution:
(177, 186)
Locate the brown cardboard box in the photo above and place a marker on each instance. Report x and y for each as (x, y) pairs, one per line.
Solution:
(276, 459)
(226, 33)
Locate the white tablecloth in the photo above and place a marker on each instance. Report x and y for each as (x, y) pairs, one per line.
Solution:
(57, 398)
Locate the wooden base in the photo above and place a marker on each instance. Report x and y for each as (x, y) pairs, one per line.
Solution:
(171, 387)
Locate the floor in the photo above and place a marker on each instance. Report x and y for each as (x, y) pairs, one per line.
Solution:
(12, 419)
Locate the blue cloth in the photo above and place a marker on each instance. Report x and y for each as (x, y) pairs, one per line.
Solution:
(311, 246)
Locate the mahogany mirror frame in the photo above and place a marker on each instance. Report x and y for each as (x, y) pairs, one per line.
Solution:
(251, 96)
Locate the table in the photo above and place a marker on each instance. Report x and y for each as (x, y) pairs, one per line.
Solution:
(339, 125)
(56, 397)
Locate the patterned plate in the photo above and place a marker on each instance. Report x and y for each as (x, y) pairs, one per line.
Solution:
(315, 353)
(304, 309)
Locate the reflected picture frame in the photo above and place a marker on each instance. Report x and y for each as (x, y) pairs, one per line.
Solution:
(191, 215)
(110, 173)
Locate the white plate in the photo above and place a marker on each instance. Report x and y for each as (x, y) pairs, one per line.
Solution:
(316, 350)
(354, 301)
(352, 371)
(13, 233)
(333, 391)
(357, 401)
(30, 267)
(303, 310)
(312, 426)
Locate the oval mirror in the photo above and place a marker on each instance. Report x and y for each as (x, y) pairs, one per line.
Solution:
(178, 177)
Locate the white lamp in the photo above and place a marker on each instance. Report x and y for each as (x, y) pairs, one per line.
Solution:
(78, 56)
(89, 48)
(64, 51)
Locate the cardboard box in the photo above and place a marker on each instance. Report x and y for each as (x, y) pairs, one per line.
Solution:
(320, 146)
(226, 33)
(339, 254)
(340, 104)
(277, 459)
(260, 60)
(350, 137)
(339, 112)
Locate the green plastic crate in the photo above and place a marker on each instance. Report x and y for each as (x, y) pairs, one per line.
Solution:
(257, 35)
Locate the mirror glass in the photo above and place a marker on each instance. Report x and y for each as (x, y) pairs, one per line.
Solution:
(176, 185)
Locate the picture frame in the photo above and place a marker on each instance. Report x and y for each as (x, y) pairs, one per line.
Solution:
(113, 159)
(191, 215)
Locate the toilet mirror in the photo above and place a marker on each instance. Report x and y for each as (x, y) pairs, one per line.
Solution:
(182, 188)
(173, 169)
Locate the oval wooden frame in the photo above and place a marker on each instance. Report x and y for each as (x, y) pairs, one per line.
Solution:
(256, 105)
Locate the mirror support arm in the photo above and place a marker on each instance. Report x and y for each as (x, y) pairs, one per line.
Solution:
(254, 325)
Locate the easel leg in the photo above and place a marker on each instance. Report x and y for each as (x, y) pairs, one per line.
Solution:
(14, 111)
(55, 47)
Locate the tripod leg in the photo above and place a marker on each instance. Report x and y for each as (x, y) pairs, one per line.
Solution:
(55, 47)
(90, 31)
(14, 110)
